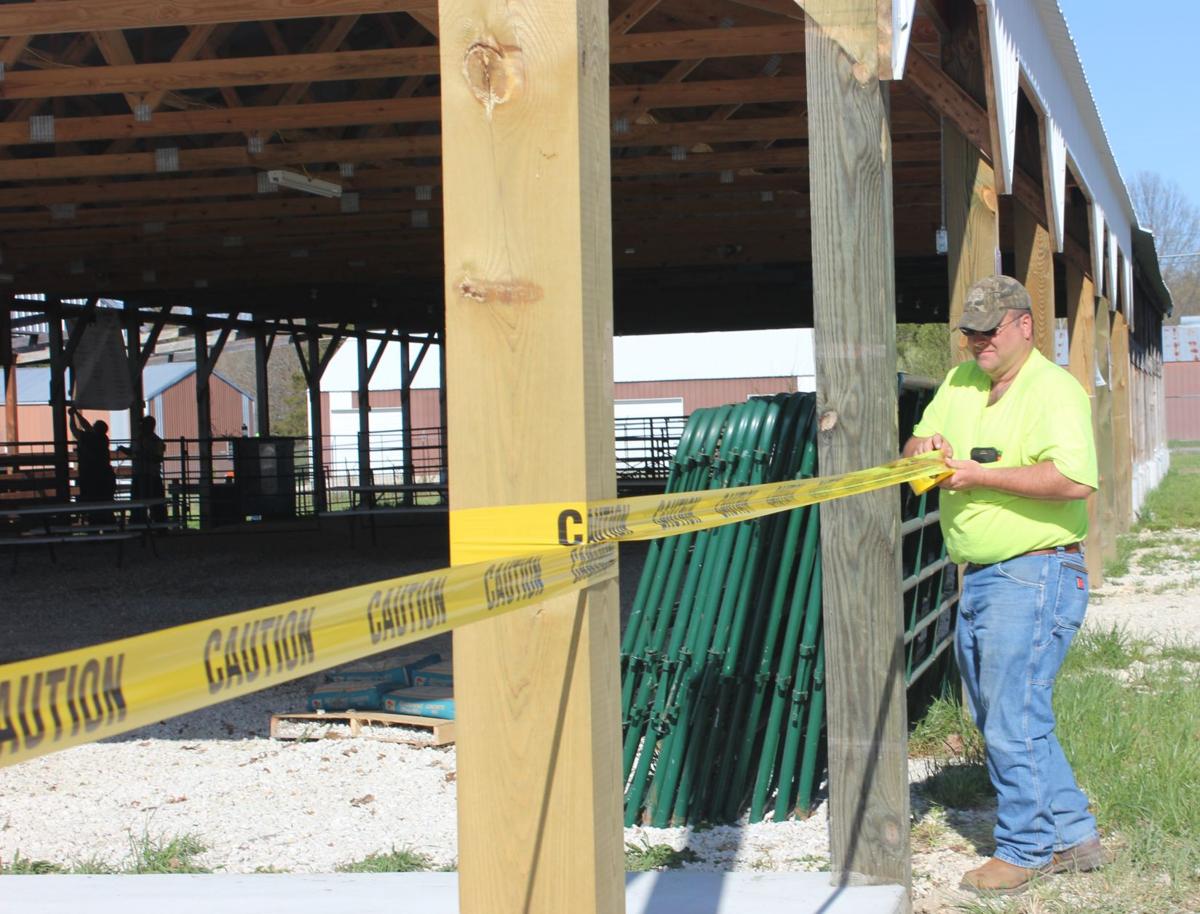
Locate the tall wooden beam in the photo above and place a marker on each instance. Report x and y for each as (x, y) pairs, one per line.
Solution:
(133, 356)
(262, 385)
(103, 15)
(972, 222)
(204, 488)
(316, 416)
(1122, 424)
(854, 315)
(1106, 497)
(443, 440)
(364, 416)
(528, 269)
(406, 438)
(1081, 332)
(1035, 269)
(58, 400)
(8, 361)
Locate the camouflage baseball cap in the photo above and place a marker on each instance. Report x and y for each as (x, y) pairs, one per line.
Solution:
(989, 298)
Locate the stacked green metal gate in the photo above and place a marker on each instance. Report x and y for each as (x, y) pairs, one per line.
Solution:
(722, 661)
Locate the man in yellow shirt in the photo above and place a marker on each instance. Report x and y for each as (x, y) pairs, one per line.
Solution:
(1016, 430)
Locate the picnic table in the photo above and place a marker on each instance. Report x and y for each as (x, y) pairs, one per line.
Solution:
(55, 523)
(364, 501)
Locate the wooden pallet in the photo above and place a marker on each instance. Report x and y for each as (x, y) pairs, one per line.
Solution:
(443, 730)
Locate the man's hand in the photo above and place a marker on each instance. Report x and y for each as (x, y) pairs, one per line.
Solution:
(968, 474)
(935, 442)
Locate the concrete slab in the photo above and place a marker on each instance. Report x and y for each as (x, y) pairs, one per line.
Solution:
(429, 893)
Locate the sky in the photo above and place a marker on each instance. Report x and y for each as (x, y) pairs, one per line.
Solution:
(1140, 61)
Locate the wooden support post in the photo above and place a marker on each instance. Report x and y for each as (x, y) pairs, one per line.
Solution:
(262, 385)
(406, 438)
(364, 415)
(850, 180)
(58, 401)
(1081, 331)
(8, 359)
(133, 354)
(972, 223)
(316, 417)
(1106, 497)
(1035, 269)
(971, 208)
(443, 456)
(204, 427)
(528, 256)
(1122, 428)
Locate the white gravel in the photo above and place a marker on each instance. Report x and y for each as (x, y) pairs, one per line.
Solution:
(258, 803)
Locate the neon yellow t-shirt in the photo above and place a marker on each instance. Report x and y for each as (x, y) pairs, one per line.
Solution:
(1044, 415)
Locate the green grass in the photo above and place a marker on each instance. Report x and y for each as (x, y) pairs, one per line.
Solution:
(946, 731)
(166, 855)
(1112, 649)
(405, 860)
(147, 854)
(1118, 565)
(24, 866)
(1176, 501)
(646, 856)
(1175, 504)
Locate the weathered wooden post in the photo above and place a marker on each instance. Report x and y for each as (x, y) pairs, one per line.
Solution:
(8, 362)
(1106, 497)
(529, 387)
(1122, 428)
(850, 177)
(364, 412)
(1081, 331)
(968, 181)
(262, 386)
(1035, 269)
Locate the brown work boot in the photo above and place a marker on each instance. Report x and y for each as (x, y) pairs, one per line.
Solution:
(999, 877)
(1082, 858)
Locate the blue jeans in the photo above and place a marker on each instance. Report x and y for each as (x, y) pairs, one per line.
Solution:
(1016, 621)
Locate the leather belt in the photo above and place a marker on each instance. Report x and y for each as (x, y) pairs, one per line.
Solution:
(1070, 547)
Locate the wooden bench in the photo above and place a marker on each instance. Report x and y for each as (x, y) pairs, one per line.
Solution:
(81, 535)
(354, 514)
(42, 524)
(363, 502)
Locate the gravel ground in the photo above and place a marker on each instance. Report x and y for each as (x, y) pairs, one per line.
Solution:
(258, 803)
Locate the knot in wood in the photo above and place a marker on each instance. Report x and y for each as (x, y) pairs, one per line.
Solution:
(988, 196)
(494, 73)
(829, 419)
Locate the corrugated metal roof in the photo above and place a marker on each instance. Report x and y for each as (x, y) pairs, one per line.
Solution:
(1050, 62)
(33, 383)
(1054, 73)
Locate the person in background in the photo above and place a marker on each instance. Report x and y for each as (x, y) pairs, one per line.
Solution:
(97, 481)
(1016, 430)
(147, 451)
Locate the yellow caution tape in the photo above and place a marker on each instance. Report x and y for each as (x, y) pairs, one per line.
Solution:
(84, 695)
(507, 558)
(478, 534)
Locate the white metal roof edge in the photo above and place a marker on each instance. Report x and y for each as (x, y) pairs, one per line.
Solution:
(1050, 62)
